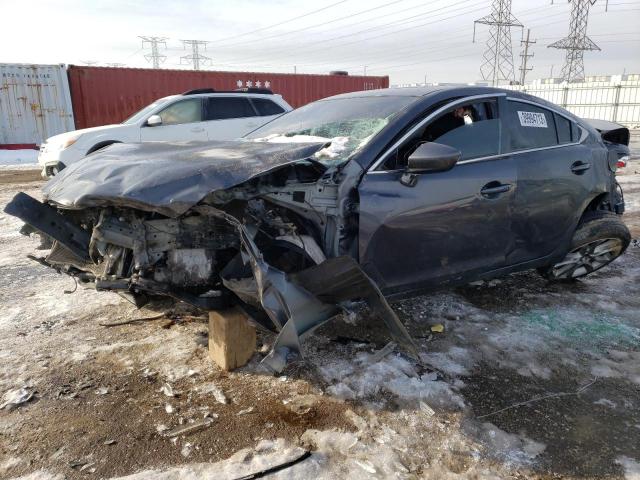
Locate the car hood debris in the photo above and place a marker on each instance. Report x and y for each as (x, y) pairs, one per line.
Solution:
(168, 178)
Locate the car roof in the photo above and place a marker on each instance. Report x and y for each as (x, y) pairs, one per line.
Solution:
(418, 92)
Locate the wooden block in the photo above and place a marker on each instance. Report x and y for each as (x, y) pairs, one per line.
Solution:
(232, 338)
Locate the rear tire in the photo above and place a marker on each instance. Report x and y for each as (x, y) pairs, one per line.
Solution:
(600, 238)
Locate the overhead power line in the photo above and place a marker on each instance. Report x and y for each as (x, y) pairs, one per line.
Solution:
(155, 57)
(261, 29)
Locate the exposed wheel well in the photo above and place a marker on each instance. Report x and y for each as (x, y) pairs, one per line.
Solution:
(600, 202)
(100, 145)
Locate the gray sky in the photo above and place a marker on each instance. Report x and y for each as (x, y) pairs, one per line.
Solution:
(406, 39)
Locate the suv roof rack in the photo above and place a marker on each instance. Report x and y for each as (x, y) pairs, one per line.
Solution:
(197, 91)
(266, 91)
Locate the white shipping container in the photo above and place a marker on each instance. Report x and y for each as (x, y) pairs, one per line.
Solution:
(35, 103)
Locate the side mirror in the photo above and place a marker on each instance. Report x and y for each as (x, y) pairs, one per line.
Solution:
(154, 121)
(433, 157)
(429, 157)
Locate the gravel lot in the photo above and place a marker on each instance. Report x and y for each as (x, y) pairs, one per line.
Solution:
(533, 380)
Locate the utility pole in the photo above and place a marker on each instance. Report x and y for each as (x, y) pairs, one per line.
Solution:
(196, 57)
(498, 56)
(89, 62)
(116, 65)
(525, 57)
(155, 57)
(577, 42)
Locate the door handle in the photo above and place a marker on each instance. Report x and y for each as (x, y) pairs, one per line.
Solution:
(197, 129)
(580, 167)
(493, 189)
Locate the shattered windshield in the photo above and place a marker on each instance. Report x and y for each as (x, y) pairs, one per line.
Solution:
(346, 123)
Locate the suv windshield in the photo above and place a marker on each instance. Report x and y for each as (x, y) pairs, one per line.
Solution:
(348, 123)
(139, 115)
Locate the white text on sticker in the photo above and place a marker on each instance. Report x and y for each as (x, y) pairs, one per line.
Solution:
(532, 119)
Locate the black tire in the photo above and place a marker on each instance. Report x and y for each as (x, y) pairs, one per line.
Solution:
(600, 238)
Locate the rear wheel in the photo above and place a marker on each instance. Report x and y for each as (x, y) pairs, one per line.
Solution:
(599, 239)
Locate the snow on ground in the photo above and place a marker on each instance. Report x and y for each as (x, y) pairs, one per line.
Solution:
(507, 390)
(18, 157)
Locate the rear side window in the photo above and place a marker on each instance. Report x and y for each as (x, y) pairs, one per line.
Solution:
(184, 111)
(530, 126)
(575, 132)
(266, 107)
(564, 129)
(221, 108)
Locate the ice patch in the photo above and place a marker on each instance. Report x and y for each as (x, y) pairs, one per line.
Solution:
(363, 379)
(513, 449)
(605, 403)
(631, 467)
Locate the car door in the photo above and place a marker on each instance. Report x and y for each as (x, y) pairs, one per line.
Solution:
(230, 117)
(555, 178)
(450, 225)
(181, 122)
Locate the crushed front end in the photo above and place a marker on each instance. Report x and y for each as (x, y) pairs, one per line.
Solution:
(260, 243)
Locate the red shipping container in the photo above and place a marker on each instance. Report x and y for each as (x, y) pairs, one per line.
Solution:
(104, 95)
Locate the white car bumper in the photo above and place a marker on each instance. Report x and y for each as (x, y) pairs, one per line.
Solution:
(52, 161)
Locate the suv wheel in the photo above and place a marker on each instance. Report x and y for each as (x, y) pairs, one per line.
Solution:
(600, 238)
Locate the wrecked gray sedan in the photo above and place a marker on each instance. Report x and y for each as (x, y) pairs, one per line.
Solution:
(388, 192)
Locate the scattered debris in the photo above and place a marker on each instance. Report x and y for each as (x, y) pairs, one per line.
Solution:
(366, 466)
(301, 404)
(14, 398)
(268, 471)
(543, 397)
(186, 449)
(167, 390)
(102, 391)
(192, 427)
(168, 408)
(245, 411)
(426, 409)
(383, 352)
(109, 442)
(217, 392)
(437, 328)
(135, 320)
(161, 428)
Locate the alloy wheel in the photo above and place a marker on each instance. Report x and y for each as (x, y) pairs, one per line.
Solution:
(587, 258)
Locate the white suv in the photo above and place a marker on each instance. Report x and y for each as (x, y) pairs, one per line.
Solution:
(196, 115)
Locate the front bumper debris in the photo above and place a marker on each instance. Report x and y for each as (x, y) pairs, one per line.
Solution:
(295, 304)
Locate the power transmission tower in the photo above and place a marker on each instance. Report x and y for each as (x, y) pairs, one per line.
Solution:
(116, 65)
(498, 56)
(577, 42)
(155, 57)
(525, 57)
(196, 57)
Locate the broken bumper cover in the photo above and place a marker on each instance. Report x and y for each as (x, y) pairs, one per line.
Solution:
(296, 304)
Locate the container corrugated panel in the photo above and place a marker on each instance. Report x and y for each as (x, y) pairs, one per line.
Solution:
(103, 95)
(35, 103)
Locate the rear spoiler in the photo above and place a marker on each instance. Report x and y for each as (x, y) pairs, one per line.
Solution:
(610, 131)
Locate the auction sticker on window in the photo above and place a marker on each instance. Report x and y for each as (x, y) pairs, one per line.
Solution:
(532, 119)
